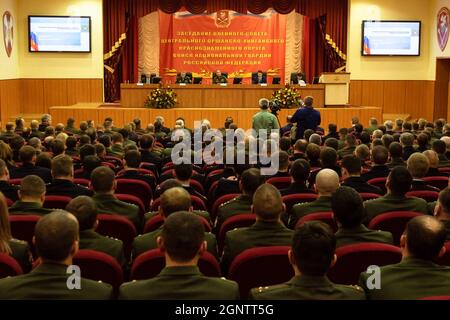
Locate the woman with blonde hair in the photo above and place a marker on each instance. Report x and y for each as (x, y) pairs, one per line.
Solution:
(17, 249)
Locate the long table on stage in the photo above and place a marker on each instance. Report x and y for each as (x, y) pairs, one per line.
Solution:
(216, 96)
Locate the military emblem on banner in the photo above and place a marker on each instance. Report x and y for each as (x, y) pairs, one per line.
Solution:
(223, 19)
(443, 20)
(8, 32)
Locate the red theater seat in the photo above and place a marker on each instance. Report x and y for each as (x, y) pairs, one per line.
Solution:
(9, 267)
(280, 182)
(292, 199)
(135, 188)
(56, 202)
(428, 196)
(326, 217)
(237, 221)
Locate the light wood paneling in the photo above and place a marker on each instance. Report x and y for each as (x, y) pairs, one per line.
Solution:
(9, 99)
(32, 93)
(78, 91)
(96, 90)
(55, 92)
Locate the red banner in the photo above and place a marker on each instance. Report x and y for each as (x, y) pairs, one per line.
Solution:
(234, 43)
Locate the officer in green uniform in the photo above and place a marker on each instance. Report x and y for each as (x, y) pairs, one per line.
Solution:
(267, 230)
(85, 210)
(172, 200)
(251, 179)
(264, 119)
(103, 182)
(117, 145)
(416, 276)
(31, 198)
(56, 237)
(348, 210)
(311, 255)
(182, 77)
(327, 182)
(442, 210)
(398, 184)
(218, 77)
(349, 146)
(182, 241)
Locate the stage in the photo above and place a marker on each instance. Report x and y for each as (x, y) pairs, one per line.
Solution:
(242, 116)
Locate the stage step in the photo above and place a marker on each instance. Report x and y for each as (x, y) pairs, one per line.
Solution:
(27, 116)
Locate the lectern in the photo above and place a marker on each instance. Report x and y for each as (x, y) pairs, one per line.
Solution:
(336, 88)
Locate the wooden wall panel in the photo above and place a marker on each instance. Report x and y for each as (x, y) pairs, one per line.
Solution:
(96, 90)
(355, 94)
(372, 93)
(394, 96)
(78, 91)
(55, 92)
(32, 92)
(9, 99)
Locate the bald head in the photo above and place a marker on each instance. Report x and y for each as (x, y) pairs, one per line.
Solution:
(327, 182)
(424, 237)
(432, 157)
(267, 203)
(175, 199)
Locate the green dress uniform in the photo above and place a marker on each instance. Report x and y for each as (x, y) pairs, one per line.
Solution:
(360, 234)
(410, 279)
(146, 242)
(49, 281)
(346, 151)
(20, 251)
(186, 79)
(443, 161)
(395, 162)
(180, 283)
(260, 234)
(308, 288)
(108, 204)
(128, 142)
(116, 151)
(265, 120)
(219, 79)
(389, 203)
(240, 204)
(321, 204)
(28, 208)
(91, 240)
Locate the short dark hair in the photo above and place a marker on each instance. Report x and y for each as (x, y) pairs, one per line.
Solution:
(313, 247)
(332, 143)
(102, 179)
(62, 166)
(283, 159)
(400, 181)
(32, 186)
(328, 157)
(90, 163)
(87, 150)
(85, 210)
(168, 184)
(124, 132)
(55, 234)
(308, 133)
(352, 164)
(347, 206)
(300, 170)
(146, 141)
(285, 143)
(425, 237)
(313, 152)
(301, 145)
(422, 139)
(133, 158)
(105, 140)
(380, 155)
(364, 137)
(116, 137)
(44, 160)
(85, 139)
(183, 171)
(57, 147)
(444, 200)
(251, 179)
(387, 140)
(395, 150)
(175, 199)
(26, 154)
(332, 127)
(183, 233)
(71, 142)
(267, 203)
(439, 147)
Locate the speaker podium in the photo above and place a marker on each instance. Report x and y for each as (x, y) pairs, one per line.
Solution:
(336, 88)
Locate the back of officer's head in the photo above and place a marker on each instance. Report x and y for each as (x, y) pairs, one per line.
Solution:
(102, 180)
(27, 154)
(424, 237)
(380, 155)
(55, 235)
(352, 164)
(347, 206)
(183, 171)
(62, 166)
(444, 202)
(251, 179)
(85, 210)
(313, 247)
(175, 199)
(182, 236)
(32, 188)
(132, 159)
(399, 181)
(267, 203)
(300, 170)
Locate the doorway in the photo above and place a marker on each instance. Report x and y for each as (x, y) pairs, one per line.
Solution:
(441, 88)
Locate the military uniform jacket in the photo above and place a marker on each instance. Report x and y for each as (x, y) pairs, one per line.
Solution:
(260, 234)
(67, 188)
(265, 120)
(238, 205)
(116, 151)
(410, 279)
(443, 161)
(389, 203)
(147, 241)
(346, 236)
(376, 172)
(360, 185)
(180, 283)
(108, 204)
(396, 162)
(295, 188)
(49, 281)
(346, 151)
(308, 288)
(21, 253)
(91, 240)
(28, 208)
(221, 79)
(9, 190)
(321, 204)
(29, 169)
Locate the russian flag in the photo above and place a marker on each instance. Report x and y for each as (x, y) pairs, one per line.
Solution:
(366, 46)
(34, 44)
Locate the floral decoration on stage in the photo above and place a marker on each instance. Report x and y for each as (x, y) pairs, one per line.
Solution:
(287, 97)
(161, 98)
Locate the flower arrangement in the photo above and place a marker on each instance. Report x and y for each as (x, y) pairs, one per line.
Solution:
(161, 98)
(287, 97)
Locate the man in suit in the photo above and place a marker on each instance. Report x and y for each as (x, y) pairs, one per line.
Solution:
(327, 182)
(132, 160)
(218, 77)
(299, 172)
(56, 240)
(348, 212)
(433, 159)
(267, 230)
(259, 77)
(103, 183)
(85, 210)
(62, 183)
(183, 77)
(442, 210)
(351, 173)
(298, 78)
(379, 169)
(306, 118)
(31, 198)
(9, 190)
(416, 276)
(27, 155)
(182, 241)
(311, 255)
(418, 166)
(398, 184)
(172, 200)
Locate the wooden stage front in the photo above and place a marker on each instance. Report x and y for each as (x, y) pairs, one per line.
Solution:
(243, 117)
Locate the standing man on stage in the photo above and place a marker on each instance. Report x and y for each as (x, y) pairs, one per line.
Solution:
(218, 77)
(259, 77)
(306, 118)
(183, 77)
(264, 119)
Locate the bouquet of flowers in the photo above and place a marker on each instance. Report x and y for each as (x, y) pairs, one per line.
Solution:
(161, 98)
(287, 97)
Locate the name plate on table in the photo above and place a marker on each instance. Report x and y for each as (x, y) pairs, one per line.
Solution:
(263, 84)
(223, 84)
(139, 84)
(182, 84)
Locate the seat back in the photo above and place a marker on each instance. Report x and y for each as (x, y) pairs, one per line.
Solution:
(56, 202)
(445, 258)
(140, 170)
(263, 266)
(219, 201)
(237, 221)
(325, 217)
(150, 264)
(438, 182)
(22, 227)
(428, 196)
(394, 222)
(197, 186)
(280, 182)
(355, 258)
(15, 182)
(157, 221)
(150, 167)
(369, 196)
(292, 199)
(9, 267)
(198, 203)
(128, 198)
(378, 182)
(81, 181)
(135, 188)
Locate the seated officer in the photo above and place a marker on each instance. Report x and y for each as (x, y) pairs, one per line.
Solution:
(311, 256)
(327, 181)
(416, 276)
(379, 169)
(267, 230)
(398, 184)
(56, 241)
(418, 166)
(396, 155)
(440, 148)
(183, 174)
(218, 77)
(62, 184)
(103, 183)
(348, 212)
(183, 77)
(132, 160)
(433, 170)
(299, 171)
(172, 200)
(8, 190)
(27, 155)
(351, 173)
(85, 210)
(31, 198)
(182, 241)
(259, 77)
(442, 210)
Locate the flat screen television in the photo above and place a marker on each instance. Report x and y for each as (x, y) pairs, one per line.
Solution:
(390, 38)
(59, 34)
